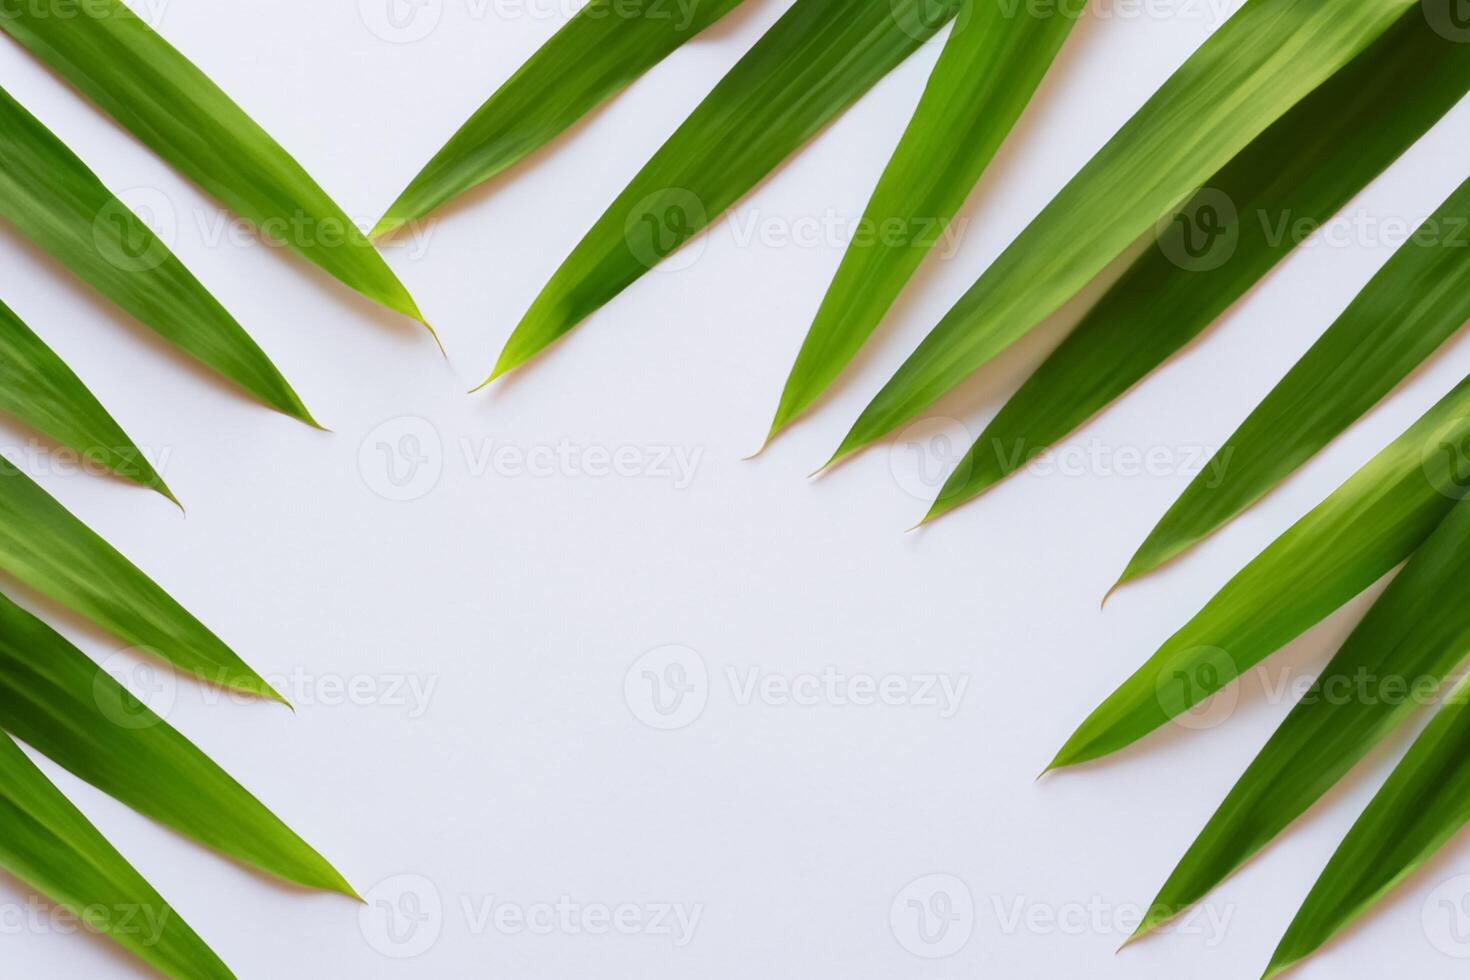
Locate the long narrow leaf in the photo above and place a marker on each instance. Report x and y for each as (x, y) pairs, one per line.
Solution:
(1425, 801)
(46, 842)
(1393, 662)
(1297, 173)
(814, 62)
(38, 388)
(1410, 307)
(994, 59)
(47, 548)
(139, 79)
(604, 47)
(1354, 537)
(1264, 60)
(63, 705)
(51, 196)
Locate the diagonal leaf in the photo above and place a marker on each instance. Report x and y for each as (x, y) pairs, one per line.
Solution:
(993, 61)
(51, 196)
(38, 388)
(603, 48)
(1296, 174)
(1265, 59)
(1414, 303)
(1391, 664)
(1424, 802)
(813, 63)
(46, 842)
(1350, 540)
(44, 546)
(63, 705)
(138, 78)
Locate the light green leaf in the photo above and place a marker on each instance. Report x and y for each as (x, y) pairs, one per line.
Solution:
(44, 546)
(814, 62)
(1410, 307)
(994, 59)
(51, 196)
(38, 388)
(47, 843)
(1391, 664)
(1264, 60)
(1293, 176)
(1350, 540)
(604, 47)
(55, 699)
(139, 79)
(1425, 801)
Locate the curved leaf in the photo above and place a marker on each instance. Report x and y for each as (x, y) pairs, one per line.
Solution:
(44, 546)
(1425, 801)
(47, 843)
(1346, 543)
(603, 48)
(51, 196)
(1265, 59)
(38, 388)
(813, 63)
(63, 705)
(1297, 173)
(139, 79)
(991, 64)
(1410, 307)
(1393, 662)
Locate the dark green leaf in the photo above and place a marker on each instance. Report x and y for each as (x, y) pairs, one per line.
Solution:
(1294, 176)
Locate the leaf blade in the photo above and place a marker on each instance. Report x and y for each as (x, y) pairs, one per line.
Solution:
(50, 550)
(66, 707)
(604, 47)
(1267, 57)
(122, 65)
(814, 62)
(992, 63)
(1394, 659)
(1424, 802)
(52, 197)
(38, 388)
(50, 845)
(1304, 167)
(1347, 542)
(1412, 306)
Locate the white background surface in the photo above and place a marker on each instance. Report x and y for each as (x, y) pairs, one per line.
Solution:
(519, 603)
